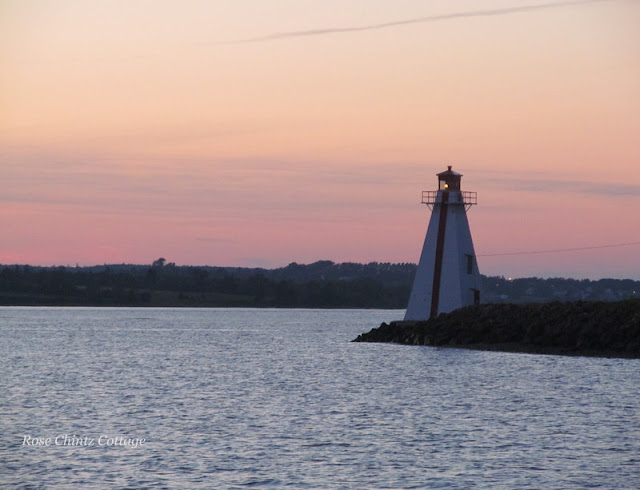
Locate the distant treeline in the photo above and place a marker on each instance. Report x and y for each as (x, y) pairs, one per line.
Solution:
(323, 284)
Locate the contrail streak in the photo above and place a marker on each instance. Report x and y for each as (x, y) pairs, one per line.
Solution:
(418, 20)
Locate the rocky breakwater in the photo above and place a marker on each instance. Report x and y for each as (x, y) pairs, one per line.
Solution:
(610, 329)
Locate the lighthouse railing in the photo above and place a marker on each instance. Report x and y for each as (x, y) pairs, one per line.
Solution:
(465, 198)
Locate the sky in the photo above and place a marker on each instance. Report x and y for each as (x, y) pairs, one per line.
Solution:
(264, 132)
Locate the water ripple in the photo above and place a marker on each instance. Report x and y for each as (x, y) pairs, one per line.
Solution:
(281, 398)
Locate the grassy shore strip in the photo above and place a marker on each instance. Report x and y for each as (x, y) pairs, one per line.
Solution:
(584, 328)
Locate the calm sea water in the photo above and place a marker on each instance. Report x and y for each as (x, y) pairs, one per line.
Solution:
(230, 398)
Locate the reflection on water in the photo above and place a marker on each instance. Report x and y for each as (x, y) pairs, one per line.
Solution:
(237, 397)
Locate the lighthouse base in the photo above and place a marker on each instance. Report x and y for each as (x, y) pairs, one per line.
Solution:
(447, 276)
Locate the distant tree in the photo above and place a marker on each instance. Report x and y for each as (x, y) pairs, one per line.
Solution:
(285, 293)
(151, 278)
(321, 284)
(198, 279)
(257, 286)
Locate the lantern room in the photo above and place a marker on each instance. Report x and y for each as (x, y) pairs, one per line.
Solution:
(449, 180)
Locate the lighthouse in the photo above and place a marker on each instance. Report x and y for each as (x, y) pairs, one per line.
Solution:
(447, 276)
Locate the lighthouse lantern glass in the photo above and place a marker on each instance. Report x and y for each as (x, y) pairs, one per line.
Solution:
(449, 180)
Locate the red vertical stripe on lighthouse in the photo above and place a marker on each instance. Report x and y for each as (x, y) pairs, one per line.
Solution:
(437, 268)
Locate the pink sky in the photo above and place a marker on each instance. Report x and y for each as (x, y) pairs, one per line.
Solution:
(131, 130)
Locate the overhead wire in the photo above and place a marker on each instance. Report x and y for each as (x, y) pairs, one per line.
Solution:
(574, 249)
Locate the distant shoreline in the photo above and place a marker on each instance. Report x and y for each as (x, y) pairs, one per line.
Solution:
(589, 328)
(322, 284)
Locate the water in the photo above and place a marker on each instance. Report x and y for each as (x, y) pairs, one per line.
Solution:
(228, 398)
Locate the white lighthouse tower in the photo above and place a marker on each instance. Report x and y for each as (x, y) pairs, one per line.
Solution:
(447, 276)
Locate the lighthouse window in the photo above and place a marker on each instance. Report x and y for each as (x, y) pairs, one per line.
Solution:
(469, 264)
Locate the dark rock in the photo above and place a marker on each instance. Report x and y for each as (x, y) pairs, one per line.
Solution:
(610, 329)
